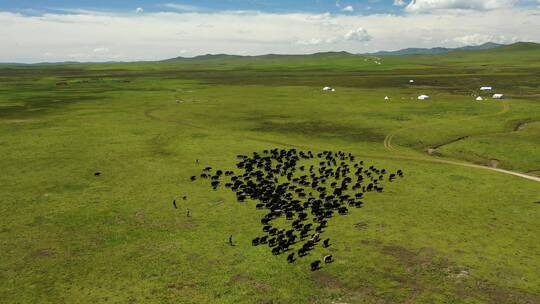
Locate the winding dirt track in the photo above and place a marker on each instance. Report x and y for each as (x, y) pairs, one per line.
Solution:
(388, 139)
(387, 144)
(504, 109)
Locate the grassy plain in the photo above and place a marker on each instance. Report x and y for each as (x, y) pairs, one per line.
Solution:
(444, 234)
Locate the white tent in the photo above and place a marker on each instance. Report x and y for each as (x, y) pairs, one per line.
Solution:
(423, 97)
(386, 98)
(486, 88)
(411, 81)
(498, 96)
(479, 98)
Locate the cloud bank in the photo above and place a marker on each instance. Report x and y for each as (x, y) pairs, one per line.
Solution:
(424, 6)
(94, 36)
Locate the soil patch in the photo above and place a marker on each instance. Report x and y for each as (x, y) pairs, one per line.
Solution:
(361, 225)
(246, 279)
(494, 163)
(43, 253)
(180, 286)
(520, 126)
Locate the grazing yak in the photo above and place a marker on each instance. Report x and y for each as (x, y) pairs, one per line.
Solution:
(315, 265)
(326, 243)
(290, 257)
(294, 193)
(328, 259)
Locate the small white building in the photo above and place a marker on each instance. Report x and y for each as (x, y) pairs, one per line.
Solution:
(486, 88)
(498, 96)
(411, 81)
(423, 97)
(329, 89)
(479, 98)
(386, 98)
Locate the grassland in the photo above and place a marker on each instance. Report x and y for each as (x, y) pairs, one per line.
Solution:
(444, 234)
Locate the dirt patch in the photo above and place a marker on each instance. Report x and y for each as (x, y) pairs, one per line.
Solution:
(181, 285)
(428, 273)
(140, 215)
(187, 225)
(520, 126)
(408, 257)
(431, 151)
(425, 274)
(495, 294)
(494, 163)
(219, 201)
(43, 253)
(326, 280)
(371, 242)
(361, 225)
(368, 294)
(246, 279)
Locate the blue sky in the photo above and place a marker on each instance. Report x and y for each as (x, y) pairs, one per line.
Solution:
(99, 30)
(272, 6)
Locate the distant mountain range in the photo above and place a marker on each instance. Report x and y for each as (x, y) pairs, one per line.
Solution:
(436, 50)
(317, 58)
(408, 51)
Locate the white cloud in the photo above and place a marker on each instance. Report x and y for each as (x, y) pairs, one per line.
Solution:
(85, 35)
(426, 6)
(399, 3)
(139, 10)
(358, 35)
(477, 39)
(101, 50)
(182, 7)
(312, 41)
(348, 8)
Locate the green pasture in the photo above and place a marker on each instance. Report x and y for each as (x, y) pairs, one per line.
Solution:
(443, 234)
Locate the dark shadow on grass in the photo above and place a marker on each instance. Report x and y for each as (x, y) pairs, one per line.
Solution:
(320, 129)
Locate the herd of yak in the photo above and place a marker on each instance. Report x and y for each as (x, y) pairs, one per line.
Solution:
(298, 185)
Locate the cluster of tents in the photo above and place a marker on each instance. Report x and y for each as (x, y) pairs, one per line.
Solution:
(489, 89)
(426, 97)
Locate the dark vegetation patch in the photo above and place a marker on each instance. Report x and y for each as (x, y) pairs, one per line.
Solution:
(43, 104)
(41, 71)
(520, 124)
(450, 142)
(321, 129)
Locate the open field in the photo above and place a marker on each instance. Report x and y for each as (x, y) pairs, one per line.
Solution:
(446, 233)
